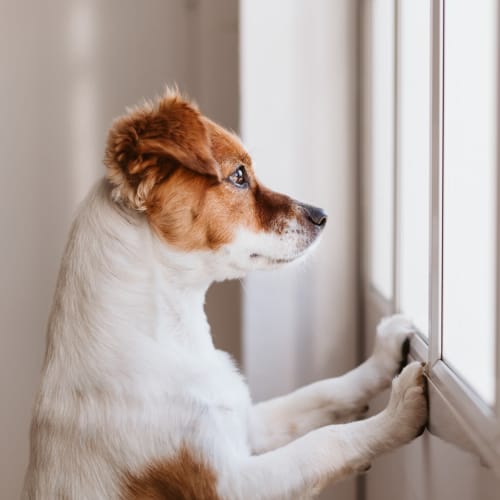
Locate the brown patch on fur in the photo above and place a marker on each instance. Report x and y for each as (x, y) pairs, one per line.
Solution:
(146, 145)
(273, 209)
(194, 212)
(147, 150)
(227, 149)
(180, 478)
(187, 213)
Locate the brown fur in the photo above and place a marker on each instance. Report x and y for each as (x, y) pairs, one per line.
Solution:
(180, 478)
(147, 144)
(173, 163)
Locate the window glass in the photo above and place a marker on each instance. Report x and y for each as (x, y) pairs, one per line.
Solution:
(414, 159)
(469, 197)
(382, 140)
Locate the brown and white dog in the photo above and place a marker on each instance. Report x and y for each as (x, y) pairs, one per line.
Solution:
(135, 402)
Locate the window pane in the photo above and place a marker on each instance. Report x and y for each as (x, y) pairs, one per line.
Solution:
(382, 140)
(414, 159)
(470, 130)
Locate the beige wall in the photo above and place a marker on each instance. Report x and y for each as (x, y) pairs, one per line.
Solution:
(67, 68)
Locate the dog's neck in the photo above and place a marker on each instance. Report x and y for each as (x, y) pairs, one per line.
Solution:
(118, 281)
(179, 292)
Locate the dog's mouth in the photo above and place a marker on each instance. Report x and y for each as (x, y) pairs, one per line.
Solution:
(273, 260)
(302, 249)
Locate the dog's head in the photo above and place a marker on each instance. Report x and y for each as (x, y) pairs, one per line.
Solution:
(196, 184)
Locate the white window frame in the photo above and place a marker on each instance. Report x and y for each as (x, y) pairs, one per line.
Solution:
(457, 413)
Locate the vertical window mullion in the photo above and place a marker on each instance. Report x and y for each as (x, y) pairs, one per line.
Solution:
(436, 212)
(497, 318)
(396, 187)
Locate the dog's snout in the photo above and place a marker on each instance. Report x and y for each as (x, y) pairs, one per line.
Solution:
(316, 215)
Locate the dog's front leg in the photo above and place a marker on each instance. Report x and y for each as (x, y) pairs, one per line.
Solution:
(278, 421)
(300, 469)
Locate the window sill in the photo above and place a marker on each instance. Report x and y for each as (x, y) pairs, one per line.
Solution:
(456, 415)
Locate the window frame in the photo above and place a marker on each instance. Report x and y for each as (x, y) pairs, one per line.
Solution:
(457, 413)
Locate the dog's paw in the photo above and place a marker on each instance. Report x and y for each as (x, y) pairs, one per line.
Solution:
(392, 344)
(407, 408)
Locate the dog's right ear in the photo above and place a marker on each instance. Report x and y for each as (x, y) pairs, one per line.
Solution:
(147, 144)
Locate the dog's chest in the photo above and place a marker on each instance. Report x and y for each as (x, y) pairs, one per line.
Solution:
(205, 394)
(217, 383)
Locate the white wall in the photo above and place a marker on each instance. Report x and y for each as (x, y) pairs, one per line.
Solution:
(67, 68)
(298, 81)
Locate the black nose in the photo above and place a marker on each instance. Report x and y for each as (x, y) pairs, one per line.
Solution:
(316, 215)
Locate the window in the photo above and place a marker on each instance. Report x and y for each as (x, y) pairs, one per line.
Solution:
(443, 243)
(469, 199)
(414, 159)
(382, 154)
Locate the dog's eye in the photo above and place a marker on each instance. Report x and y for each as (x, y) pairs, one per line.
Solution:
(239, 177)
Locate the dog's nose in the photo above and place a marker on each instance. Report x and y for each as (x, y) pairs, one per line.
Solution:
(316, 215)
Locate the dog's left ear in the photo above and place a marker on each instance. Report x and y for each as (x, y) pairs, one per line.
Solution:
(151, 141)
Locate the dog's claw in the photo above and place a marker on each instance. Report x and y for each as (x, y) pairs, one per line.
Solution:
(405, 351)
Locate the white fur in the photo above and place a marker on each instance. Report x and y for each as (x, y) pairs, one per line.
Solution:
(131, 373)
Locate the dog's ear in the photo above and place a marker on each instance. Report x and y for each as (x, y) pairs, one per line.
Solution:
(151, 141)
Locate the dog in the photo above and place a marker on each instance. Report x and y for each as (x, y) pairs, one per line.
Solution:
(135, 402)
